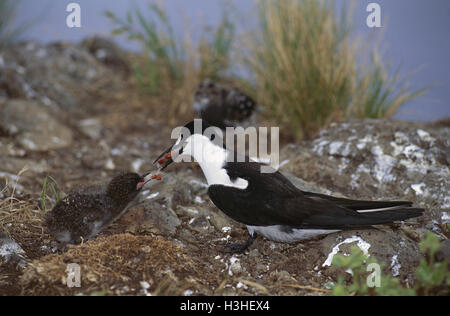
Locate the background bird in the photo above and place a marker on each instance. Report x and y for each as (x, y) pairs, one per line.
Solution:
(224, 107)
(85, 212)
(268, 203)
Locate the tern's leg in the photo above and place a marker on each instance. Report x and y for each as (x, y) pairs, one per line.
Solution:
(240, 248)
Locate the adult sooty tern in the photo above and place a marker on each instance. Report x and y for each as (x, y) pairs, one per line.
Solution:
(268, 203)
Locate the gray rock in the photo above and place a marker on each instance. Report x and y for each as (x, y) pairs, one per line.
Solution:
(378, 160)
(35, 129)
(161, 217)
(12, 255)
(13, 166)
(199, 224)
(91, 128)
(59, 75)
(399, 252)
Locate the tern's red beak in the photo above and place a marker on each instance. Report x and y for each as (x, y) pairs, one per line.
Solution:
(165, 159)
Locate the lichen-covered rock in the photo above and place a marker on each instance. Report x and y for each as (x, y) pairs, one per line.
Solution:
(379, 160)
(399, 252)
(12, 256)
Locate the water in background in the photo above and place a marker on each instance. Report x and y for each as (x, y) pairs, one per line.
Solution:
(415, 36)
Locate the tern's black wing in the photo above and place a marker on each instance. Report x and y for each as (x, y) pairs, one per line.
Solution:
(271, 199)
(358, 205)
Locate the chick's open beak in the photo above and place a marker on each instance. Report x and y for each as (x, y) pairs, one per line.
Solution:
(145, 178)
(140, 184)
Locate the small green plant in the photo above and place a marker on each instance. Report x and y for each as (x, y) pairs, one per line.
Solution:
(430, 276)
(171, 60)
(8, 31)
(49, 183)
(380, 92)
(156, 36)
(7, 13)
(215, 49)
(357, 262)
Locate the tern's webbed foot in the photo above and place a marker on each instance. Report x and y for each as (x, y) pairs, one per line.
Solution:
(236, 248)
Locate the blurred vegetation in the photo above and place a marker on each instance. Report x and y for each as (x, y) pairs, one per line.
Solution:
(310, 72)
(8, 31)
(431, 277)
(7, 10)
(166, 55)
(215, 48)
(302, 63)
(173, 66)
(171, 58)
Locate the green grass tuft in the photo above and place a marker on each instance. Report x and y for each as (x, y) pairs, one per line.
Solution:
(8, 31)
(309, 71)
(49, 183)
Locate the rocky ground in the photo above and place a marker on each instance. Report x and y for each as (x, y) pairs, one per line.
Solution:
(73, 112)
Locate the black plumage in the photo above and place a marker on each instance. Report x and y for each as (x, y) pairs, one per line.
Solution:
(223, 107)
(85, 212)
(271, 199)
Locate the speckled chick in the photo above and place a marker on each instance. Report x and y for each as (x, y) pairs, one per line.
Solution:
(84, 213)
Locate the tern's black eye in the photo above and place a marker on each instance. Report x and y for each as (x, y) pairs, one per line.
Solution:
(213, 137)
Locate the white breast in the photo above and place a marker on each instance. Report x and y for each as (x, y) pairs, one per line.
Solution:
(285, 234)
(212, 159)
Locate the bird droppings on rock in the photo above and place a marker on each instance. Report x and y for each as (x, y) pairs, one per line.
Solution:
(383, 166)
(418, 188)
(363, 245)
(109, 165)
(445, 219)
(425, 136)
(234, 266)
(334, 147)
(395, 266)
